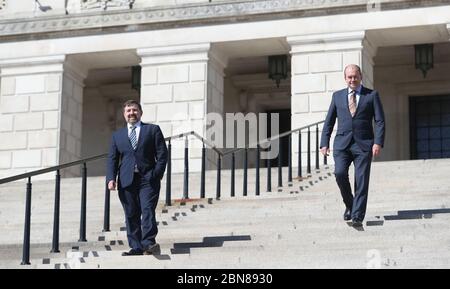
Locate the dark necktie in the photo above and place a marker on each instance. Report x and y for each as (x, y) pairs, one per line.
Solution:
(133, 137)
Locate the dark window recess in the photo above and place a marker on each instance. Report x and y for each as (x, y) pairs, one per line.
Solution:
(430, 127)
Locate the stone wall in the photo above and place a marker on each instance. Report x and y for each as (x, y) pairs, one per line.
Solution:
(174, 95)
(30, 101)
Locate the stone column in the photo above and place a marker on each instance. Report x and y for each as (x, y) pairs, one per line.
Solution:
(318, 62)
(179, 86)
(41, 114)
(71, 116)
(30, 113)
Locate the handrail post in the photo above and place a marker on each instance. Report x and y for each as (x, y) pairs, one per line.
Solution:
(290, 160)
(83, 204)
(325, 161)
(308, 157)
(107, 211)
(55, 241)
(244, 189)
(269, 169)
(186, 170)
(299, 153)
(233, 164)
(202, 177)
(169, 175)
(219, 165)
(280, 169)
(27, 227)
(257, 191)
(317, 146)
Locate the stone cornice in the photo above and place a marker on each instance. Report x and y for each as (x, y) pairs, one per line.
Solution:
(174, 54)
(326, 42)
(190, 14)
(32, 65)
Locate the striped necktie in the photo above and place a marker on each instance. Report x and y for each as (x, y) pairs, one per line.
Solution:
(352, 103)
(133, 137)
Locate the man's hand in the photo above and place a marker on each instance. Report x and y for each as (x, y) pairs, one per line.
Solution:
(325, 151)
(376, 149)
(112, 185)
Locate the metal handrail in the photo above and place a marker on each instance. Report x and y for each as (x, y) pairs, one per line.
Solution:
(182, 135)
(93, 158)
(50, 169)
(220, 156)
(55, 242)
(270, 139)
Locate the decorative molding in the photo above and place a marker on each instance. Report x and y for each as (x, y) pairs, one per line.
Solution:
(174, 54)
(327, 42)
(33, 61)
(32, 65)
(106, 4)
(189, 14)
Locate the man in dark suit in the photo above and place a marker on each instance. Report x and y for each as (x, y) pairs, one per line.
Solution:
(356, 107)
(138, 156)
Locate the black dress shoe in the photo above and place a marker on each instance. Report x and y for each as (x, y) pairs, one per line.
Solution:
(357, 223)
(132, 252)
(153, 250)
(347, 215)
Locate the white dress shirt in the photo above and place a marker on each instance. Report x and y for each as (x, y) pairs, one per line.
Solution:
(358, 95)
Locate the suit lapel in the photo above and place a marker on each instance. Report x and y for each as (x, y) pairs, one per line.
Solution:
(362, 99)
(124, 136)
(142, 134)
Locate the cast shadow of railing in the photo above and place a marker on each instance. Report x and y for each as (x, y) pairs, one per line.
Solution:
(208, 242)
(416, 214)
(407, 215)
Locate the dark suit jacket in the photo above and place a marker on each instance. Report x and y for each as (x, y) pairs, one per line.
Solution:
(150, 155)
(360, 126)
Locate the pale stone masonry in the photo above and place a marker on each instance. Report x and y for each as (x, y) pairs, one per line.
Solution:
(71, 117)
(65, 69)
(178, 82)
(30, 105)
(42, 109)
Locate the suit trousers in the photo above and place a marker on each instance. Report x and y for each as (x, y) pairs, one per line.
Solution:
(139, 201)
(362, 161)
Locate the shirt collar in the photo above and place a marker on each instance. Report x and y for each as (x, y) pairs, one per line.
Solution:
(358, 90)
(130, 126)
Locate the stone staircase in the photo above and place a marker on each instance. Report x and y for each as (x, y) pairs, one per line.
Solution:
(298, 226)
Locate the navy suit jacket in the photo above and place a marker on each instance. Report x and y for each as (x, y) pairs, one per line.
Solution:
(150, 155)
(360, 126)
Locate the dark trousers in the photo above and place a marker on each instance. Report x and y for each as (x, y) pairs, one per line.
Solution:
(139, 202)
(361, 161)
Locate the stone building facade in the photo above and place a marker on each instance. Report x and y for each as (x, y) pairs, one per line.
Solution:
(66, 68)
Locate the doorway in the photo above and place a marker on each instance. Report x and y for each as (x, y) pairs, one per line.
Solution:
(285, 125)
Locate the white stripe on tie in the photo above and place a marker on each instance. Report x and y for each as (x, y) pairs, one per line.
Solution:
(133, 138)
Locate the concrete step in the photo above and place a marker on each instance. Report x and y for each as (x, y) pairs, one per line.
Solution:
(299, 226)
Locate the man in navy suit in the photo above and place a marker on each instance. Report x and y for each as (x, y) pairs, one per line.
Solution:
(356, 141)
(138, 156)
